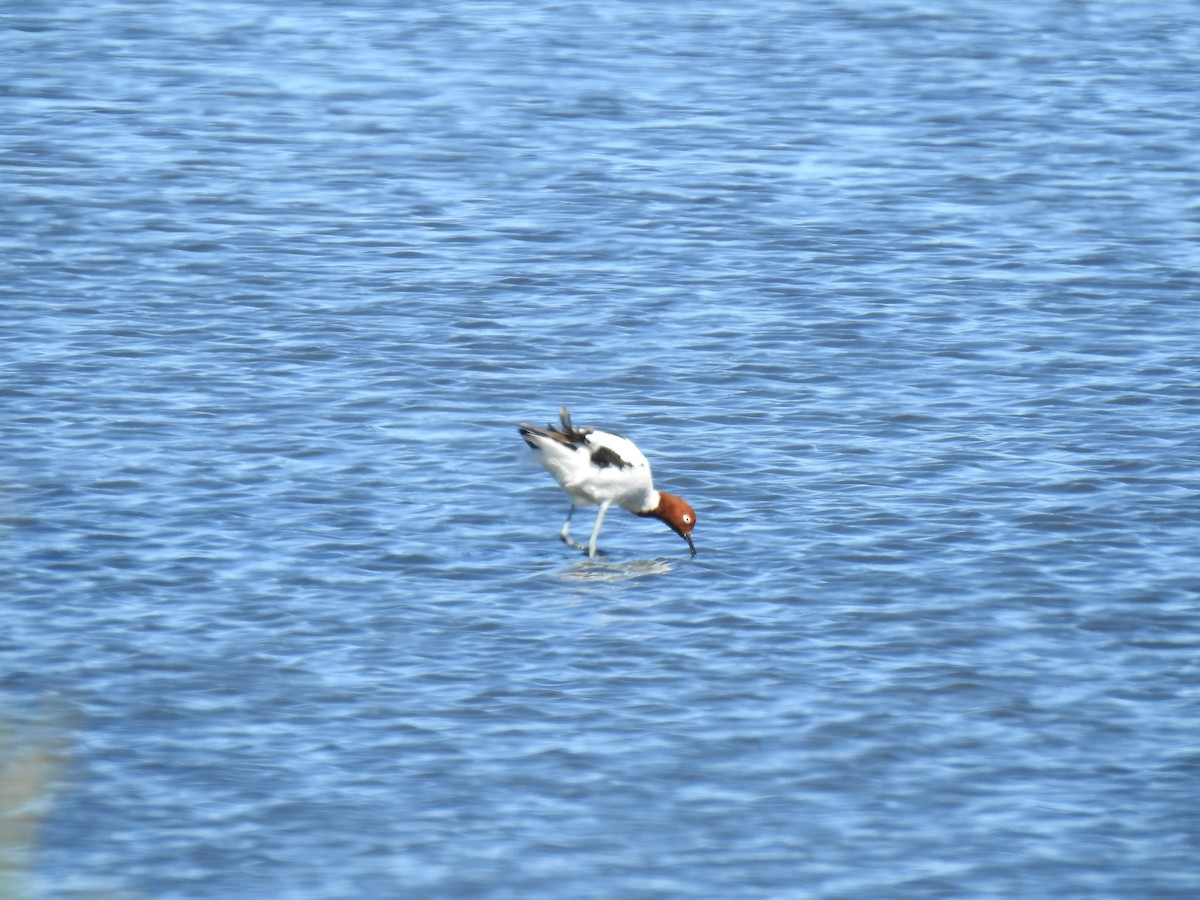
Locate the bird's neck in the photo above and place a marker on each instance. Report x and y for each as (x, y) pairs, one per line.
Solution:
(650, 507)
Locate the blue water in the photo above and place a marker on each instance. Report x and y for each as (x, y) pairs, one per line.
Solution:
(903, 297)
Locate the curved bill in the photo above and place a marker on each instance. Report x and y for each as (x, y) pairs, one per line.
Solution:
(688, 538)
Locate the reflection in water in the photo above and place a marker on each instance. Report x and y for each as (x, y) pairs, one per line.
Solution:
(602, 570)
(32, 753)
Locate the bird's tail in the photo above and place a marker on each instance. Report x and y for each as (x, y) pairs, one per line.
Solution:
(568, 435)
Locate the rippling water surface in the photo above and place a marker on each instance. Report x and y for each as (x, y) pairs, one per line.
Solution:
(904, 297)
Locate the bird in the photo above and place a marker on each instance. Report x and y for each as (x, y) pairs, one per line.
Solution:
(596, 468)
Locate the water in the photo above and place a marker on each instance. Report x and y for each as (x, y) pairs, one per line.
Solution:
(901, 296)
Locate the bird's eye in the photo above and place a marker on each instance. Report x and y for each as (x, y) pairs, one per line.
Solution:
(687, 520)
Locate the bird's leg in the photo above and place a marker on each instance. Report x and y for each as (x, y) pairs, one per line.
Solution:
(591, 547)
(566, 531)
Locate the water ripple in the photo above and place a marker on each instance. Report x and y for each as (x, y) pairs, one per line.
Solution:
(899, 299)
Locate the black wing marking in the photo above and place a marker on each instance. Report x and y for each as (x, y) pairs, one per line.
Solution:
(607, 456)
(575, 435)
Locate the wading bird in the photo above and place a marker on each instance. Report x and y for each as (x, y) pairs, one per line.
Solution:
(596, 468)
